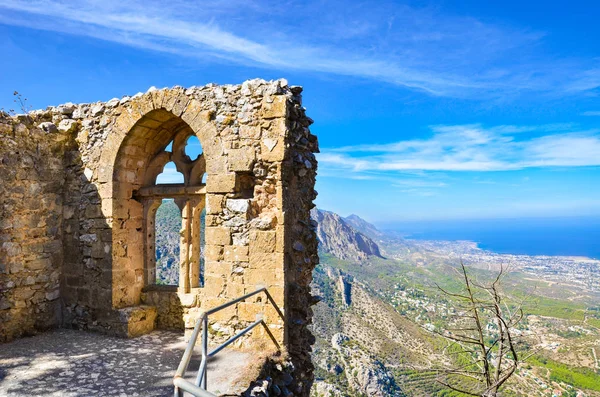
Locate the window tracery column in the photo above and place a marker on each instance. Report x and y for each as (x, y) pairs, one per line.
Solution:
(190, 199)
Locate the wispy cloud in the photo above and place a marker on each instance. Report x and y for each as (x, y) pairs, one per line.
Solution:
(420, 192)
(591, 113)
(455, 148)
(419, 48)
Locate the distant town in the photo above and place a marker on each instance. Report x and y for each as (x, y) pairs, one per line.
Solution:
(581, 272)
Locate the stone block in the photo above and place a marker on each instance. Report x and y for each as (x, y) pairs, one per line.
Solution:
(212, 146)
(213, 285)
(280, 239)
(272, 149)
(107, 207)
(234, 290)
(190, 317)
(277, 293)
(238, 205)
(241, 159)
(188, 300)
(248, 311)
(262, 260)
(262, 241)
(219, 268)
(249, 132)
(119, 249)
(271, 316)
(212, 220)
(213, 252)
(266, 278)
(221, 183)
(123, 278)
(139, 320)
(100, 250)
(218, 235)
(32, 247)
(235, 253)
(23, 293)
(273, 107)
(224, 315)
(214, 203)
(39, 264)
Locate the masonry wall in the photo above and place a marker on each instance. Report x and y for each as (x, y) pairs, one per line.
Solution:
(299, 173)
(31, 203)
(93, 158)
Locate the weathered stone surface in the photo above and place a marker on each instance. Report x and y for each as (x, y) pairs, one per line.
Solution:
(235, 253)
(214, 204)
(241, 159)
(67, 125)
(97, 109)
(48, 127)
(219, 183)
(262, 241)
(238, 205)
(218, 235)
(66, 109)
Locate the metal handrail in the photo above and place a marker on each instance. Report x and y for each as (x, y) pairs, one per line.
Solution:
(198, 388)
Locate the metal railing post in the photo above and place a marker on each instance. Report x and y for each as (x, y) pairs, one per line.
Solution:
(198, 388)
(205, 351)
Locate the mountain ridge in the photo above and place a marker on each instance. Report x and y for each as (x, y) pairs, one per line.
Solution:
(364, 227)
(340, 239)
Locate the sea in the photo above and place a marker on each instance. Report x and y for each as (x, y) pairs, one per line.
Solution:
(560, 236)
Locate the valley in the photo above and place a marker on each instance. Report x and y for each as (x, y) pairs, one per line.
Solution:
(388, 310)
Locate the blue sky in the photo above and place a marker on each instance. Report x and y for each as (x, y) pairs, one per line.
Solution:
(424, 110)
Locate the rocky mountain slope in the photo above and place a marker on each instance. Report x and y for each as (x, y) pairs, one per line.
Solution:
(363, 346)
(364, 227)
(168, 228)
(338, 238)
(168, 225)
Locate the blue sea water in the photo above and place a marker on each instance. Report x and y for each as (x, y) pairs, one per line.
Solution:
(574, 236)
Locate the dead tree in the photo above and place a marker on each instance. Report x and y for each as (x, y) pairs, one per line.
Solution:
(485, 338)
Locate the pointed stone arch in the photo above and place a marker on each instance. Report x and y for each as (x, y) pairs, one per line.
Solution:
(140, 158)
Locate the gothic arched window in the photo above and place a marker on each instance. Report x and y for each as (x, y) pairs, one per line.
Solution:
(173, 197)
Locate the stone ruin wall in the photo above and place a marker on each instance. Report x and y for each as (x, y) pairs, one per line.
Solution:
(72, 232)
(31, 217)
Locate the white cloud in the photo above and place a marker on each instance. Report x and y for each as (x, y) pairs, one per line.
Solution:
(591, 113)
(418, 48)
(472, 148)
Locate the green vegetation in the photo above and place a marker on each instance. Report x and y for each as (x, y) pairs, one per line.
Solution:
(424, 382)
(582, 378)
(543, 306)
(594, 322)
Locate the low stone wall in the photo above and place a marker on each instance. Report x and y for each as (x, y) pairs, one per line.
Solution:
(31, 205)
(169, 312)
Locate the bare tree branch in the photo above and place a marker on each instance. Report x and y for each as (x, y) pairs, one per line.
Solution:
(485, 334)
